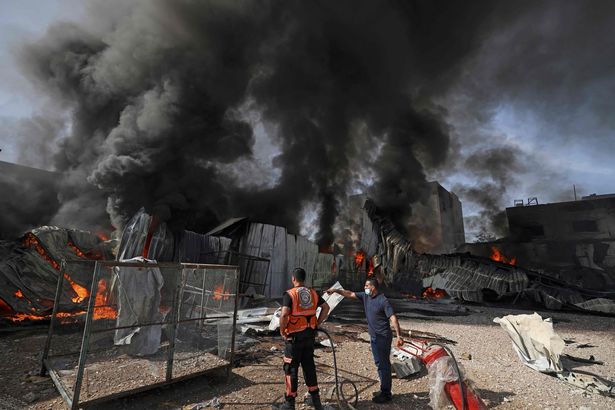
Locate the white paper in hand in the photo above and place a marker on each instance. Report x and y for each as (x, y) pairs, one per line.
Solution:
(333, 299)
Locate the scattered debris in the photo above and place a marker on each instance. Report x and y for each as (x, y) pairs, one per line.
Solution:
(213, 403)
(466, 356)
(408, 367)
(540, 348)
(327, 343)
(591, 360)
(584, 345)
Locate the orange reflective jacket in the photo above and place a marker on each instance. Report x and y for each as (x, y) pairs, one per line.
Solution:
(303, 311)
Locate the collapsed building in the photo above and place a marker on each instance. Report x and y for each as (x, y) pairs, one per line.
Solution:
(573, 241)
(266, 254)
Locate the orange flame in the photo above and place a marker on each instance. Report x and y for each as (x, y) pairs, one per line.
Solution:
(19, 294)
(431, 293)
(102, 236)
(78, 251)
(7, 312)
(359, 258)
(30, 240)
(81, 292)
(102, 310)
(370, 267)
(219, 293)
(498, 256)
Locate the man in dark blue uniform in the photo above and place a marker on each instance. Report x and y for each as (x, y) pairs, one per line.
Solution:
(379, 313)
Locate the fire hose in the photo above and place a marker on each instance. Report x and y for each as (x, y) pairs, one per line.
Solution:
(342, 400)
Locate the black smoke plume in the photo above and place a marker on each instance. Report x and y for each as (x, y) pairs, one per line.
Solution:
(160, 96)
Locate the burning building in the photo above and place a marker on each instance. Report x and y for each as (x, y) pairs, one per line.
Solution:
(573, 240)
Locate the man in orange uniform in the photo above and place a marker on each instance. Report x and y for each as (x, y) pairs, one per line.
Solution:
(298, 324)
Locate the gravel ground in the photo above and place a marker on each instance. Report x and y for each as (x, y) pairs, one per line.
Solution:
(501, 379)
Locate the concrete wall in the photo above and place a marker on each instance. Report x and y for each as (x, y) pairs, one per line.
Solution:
(584, 220)
(436, 226)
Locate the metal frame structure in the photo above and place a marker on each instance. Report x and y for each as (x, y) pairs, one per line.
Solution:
(247, 271)
(74, 401)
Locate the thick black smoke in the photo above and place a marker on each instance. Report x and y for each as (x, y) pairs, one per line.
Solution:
(157, 97)
(495, 168)
(548, 65)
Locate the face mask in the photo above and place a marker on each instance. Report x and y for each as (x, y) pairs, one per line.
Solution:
(368, 291)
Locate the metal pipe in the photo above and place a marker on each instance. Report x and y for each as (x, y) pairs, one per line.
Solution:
(86, 337)
(56, 303)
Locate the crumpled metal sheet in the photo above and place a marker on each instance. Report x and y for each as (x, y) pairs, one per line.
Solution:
(598, 305)
(23, 268)
(535, 341)
(540, 348)
(138, 303)
(465, 277)
(467, 280)
(134, 237)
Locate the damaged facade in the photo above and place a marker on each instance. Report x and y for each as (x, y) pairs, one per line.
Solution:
(267, 253)
(574, 241)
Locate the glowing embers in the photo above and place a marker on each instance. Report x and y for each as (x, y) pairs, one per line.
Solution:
(102, 236)
(31, 241)
(498, 256)
(102, 307)
(359, 258)
(430, 293)
(220, 294)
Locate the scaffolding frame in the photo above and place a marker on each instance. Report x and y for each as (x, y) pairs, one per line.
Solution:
(74, 401)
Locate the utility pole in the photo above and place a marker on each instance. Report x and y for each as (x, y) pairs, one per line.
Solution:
(574, 189)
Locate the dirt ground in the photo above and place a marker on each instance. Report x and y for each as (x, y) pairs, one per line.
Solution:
(501, 379)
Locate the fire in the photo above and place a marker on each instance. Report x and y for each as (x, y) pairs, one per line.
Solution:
(431, 293)
(498, 256)
(359, 258)
(75, 248)
(31, 241)
(102, 310)
(81, 292)
(7, 312)
(370, 267)
(219, 293)
(102, 236)
(19, 294)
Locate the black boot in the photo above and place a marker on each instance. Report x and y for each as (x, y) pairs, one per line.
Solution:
(289, 404)
(316, 401)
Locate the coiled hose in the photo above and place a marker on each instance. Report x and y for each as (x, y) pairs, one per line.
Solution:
(342, 400)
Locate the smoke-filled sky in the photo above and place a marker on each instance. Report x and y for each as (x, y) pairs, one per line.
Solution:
(202, 110)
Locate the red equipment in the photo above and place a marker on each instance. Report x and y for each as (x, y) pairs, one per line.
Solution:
(428, 354)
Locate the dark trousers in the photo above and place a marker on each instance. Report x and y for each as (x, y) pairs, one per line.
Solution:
(381, 349)
(299, 352)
